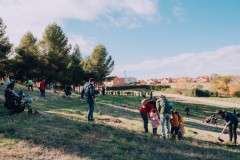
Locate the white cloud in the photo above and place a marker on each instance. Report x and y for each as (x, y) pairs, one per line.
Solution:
(222, 61)
(21, 16)
(179, 12)
(86, 44)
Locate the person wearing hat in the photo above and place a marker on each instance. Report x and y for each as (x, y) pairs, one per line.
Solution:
(232, 122)
(144, 111)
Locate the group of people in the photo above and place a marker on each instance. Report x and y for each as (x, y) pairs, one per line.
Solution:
(161, 113)
(42, 86)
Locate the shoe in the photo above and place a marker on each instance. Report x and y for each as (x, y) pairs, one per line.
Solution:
(146, 131)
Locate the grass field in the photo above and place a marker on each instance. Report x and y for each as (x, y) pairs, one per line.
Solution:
(64, 133)
(226, 99)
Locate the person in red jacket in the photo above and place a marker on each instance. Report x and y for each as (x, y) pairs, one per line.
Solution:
(42, 88)
(147, 106)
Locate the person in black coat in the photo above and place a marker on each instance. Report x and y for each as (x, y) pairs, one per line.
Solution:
(232, 122)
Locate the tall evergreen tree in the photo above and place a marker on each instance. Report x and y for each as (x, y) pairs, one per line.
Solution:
(5, 45)
(76, 66)
(100, 63)
(28, 61)
(54, 47)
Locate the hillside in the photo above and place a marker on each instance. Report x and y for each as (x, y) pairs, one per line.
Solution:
(63, 133)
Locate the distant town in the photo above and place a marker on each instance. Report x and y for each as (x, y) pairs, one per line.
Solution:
(123, 81)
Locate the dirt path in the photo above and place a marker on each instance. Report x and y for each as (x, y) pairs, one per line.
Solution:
(203, 100)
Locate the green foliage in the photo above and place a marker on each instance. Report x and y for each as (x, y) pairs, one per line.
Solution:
(75, 66)
(99, 64)
(28, 61)
(54, 47)
(5, 46)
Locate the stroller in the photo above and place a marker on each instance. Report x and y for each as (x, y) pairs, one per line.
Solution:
(211, 119)
(16, 103)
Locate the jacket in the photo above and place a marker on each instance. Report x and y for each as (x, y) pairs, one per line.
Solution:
(230, 118)
(88, 91)
(163, 106)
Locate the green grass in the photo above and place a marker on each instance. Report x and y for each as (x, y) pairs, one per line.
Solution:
(226, 99)
(65, 134)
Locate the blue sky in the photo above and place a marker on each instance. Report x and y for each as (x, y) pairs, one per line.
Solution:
(147, 38)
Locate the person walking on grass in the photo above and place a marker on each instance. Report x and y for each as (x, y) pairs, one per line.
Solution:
(232, 122)
(165, 110)
(42, 88)
(88, 92)
(155, 120)
(30, 84)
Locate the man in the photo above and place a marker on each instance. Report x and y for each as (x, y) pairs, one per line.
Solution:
(165, 111)
(232, 122)
(42, 88)
(88, 92)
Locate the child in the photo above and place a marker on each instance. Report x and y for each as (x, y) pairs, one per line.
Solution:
(175, 125)
(155, 120)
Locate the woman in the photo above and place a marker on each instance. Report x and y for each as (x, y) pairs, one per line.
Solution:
(144, 111)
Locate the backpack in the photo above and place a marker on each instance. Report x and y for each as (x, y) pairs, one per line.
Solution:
(87, 90)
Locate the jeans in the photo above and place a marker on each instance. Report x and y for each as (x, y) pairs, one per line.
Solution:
(233, 131)
(145, 121)
(165, 120)
(30, 86)
(91, 110)
(42, 92)
(154, 131)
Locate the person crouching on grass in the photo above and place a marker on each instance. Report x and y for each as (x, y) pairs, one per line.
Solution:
(175, 125)
(155, 120)
(144, 111)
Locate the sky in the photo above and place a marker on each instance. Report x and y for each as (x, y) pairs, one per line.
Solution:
(146, 38)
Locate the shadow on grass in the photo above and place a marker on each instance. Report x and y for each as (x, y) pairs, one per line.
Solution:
(203, 127)
(99, 141)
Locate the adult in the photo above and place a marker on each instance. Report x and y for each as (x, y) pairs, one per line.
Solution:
(42, 88)
(30, 84)
(68, 90)
(232, 123)
(103, 91)
(144, 111)
(88, 93)
(12, 80)
(165, 111)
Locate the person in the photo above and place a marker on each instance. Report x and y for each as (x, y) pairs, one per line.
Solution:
(155, 120)
(12, 80)
(175, 125)
(144, 111)
(51, 86)
(42, 88)
(88, 92)
(165, 111)
(68, 90)
(186, 109)
(103, 91)
(232, 123)
(30, 84)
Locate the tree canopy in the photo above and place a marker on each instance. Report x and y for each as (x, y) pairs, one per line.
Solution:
(53, 58)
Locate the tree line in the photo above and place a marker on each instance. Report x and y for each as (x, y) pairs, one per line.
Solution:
(52, 58)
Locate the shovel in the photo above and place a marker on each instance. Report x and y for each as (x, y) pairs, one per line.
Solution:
(219, 138)
(100, 113)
